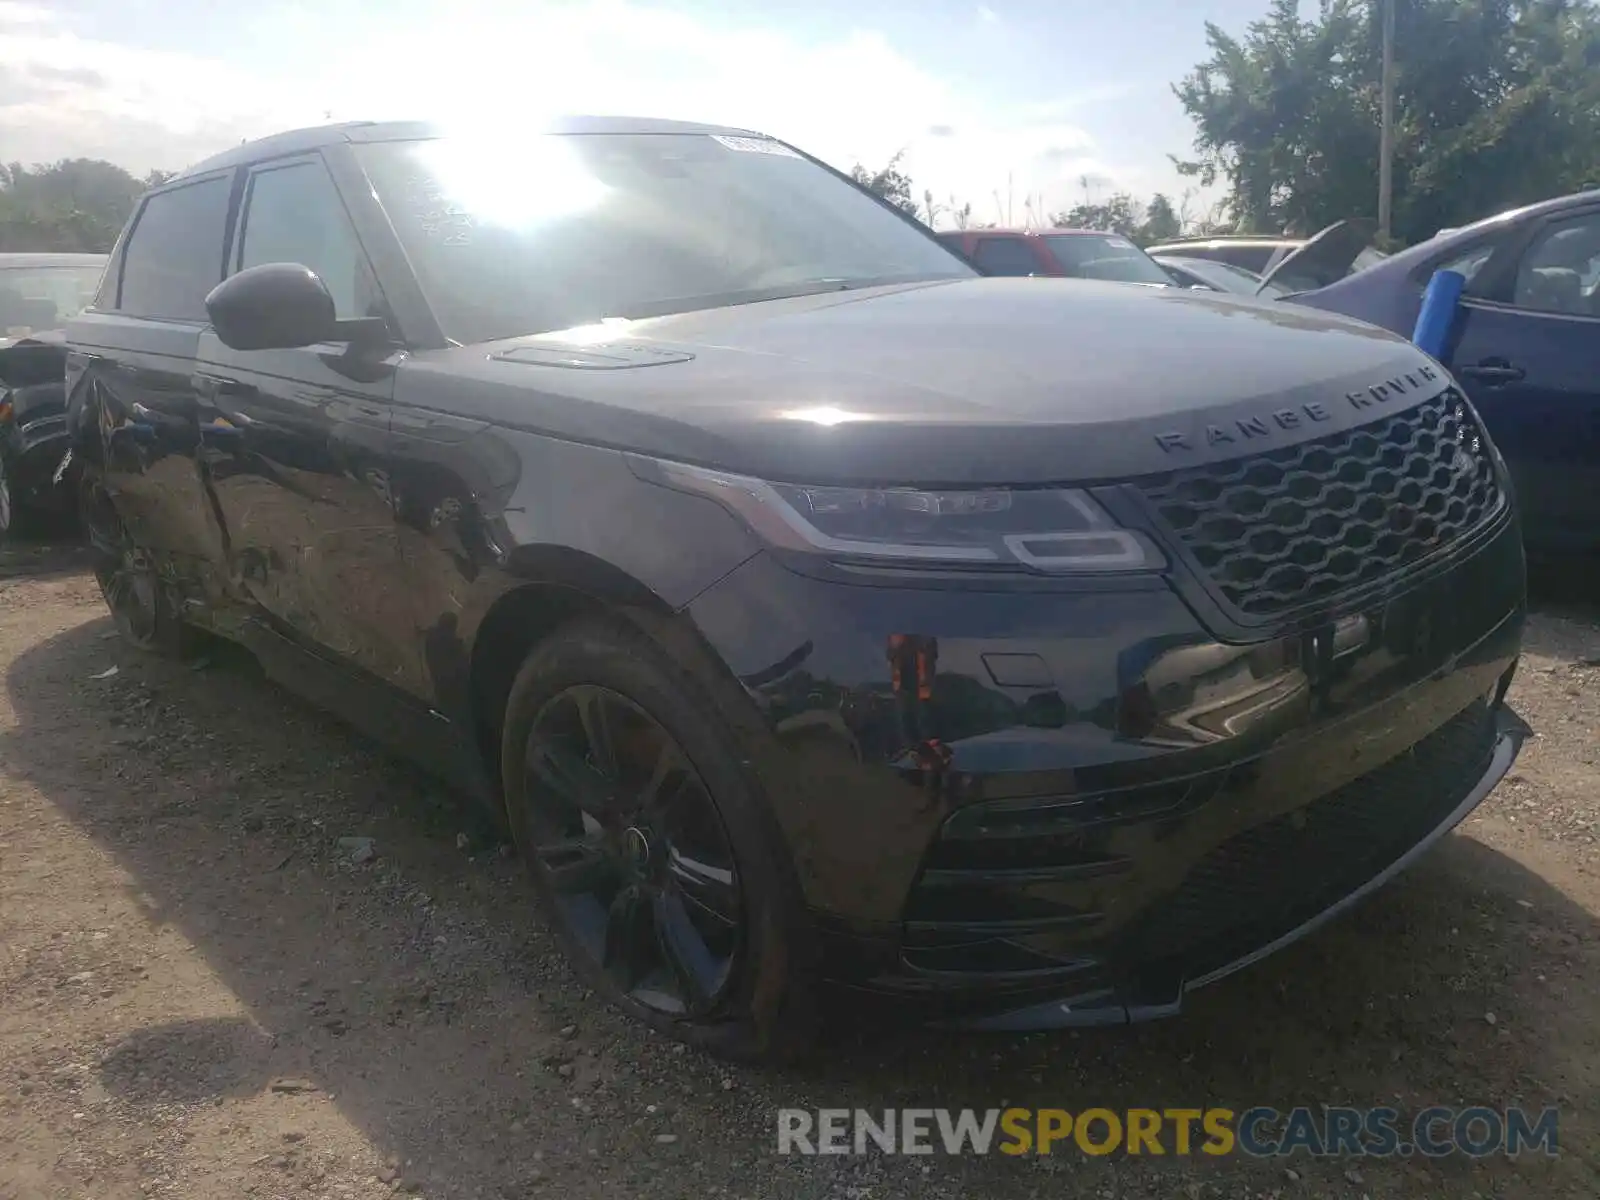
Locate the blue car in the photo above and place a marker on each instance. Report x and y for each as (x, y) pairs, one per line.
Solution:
(1525, 345)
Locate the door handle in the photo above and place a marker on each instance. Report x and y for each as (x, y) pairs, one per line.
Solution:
(218, 387)
(1494, 371)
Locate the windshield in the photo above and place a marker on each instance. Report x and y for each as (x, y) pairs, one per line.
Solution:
(1105, 256)
(33, 299)
(1230, 278)
(555, 231)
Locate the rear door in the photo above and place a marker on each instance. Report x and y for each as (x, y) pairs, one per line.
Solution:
(299, 454)
(130, 365)
(1528, 353)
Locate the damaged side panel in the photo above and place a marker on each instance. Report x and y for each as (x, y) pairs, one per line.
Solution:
(135, 414)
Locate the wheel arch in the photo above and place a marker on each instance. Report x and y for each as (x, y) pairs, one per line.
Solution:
(548, 586)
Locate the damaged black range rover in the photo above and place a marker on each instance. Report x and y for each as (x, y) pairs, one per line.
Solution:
(818, 617)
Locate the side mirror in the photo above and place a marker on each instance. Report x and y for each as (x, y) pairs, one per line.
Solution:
(275, 306)
(281, 306)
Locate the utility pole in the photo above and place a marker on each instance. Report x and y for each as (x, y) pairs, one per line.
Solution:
(1386, 133)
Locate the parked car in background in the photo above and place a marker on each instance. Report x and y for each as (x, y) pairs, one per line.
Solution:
(38, 294)
(815, 614)
(1526, 347)
(1075, 253)
(1217, 277)
(1263, 254)
(1253, 252)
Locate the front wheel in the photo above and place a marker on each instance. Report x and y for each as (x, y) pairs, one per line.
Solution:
(650, 850)
(5, 502)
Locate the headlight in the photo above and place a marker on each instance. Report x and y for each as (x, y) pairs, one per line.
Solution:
(1055, 530)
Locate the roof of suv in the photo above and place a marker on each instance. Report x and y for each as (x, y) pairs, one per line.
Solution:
(297, 141)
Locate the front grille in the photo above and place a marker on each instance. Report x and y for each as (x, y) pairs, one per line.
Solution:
(1266, 881)
(1289, 527)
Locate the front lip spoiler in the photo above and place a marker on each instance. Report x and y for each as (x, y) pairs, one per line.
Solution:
(1106, 1008)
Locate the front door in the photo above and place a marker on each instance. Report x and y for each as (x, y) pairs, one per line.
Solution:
(1528, 354)
(297, 444)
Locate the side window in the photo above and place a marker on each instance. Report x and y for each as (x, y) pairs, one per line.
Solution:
(174, 254)
(1004, 256)
(1560, 272)
(1469, 262)
(293, 214)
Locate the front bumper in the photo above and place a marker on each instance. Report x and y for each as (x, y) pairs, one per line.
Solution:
(1024, 806)
(1155, 996)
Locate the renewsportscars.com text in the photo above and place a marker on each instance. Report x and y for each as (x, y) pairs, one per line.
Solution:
(1260, 1132)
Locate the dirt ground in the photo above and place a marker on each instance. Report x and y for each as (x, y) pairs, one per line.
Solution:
(203, 995)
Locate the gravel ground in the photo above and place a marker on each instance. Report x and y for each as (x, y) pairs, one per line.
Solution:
(203, 994)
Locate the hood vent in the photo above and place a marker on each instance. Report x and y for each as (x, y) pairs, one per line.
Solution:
(612, 356)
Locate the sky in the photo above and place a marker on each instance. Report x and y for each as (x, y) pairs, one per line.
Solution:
(1008, 104)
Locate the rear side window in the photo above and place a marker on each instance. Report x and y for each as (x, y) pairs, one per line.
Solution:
(174, 254)
(1005, 256)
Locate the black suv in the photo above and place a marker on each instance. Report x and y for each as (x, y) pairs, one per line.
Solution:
(818, 617)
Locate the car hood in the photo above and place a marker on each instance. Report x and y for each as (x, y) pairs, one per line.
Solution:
(980, 381)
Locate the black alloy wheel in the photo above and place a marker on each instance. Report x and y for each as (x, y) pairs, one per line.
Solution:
(634, 850)
(128, 577)
(5, 502)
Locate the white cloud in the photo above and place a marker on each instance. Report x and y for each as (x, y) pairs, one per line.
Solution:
(851, 99)
(63, 95)
(13, 14)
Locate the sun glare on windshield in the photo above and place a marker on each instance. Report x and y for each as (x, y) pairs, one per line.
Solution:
(543, 181)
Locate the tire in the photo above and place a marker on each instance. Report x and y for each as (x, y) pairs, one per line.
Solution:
(139, 601)
(764, 1010)
(6, 517)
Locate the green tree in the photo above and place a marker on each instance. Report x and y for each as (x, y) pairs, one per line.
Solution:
(75, 205)
(1145, 224)
(1497, 103)
(1118, 213)
(1161, 222)
(890, 182)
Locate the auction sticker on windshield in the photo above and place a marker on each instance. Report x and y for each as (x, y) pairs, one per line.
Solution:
(754, 145)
